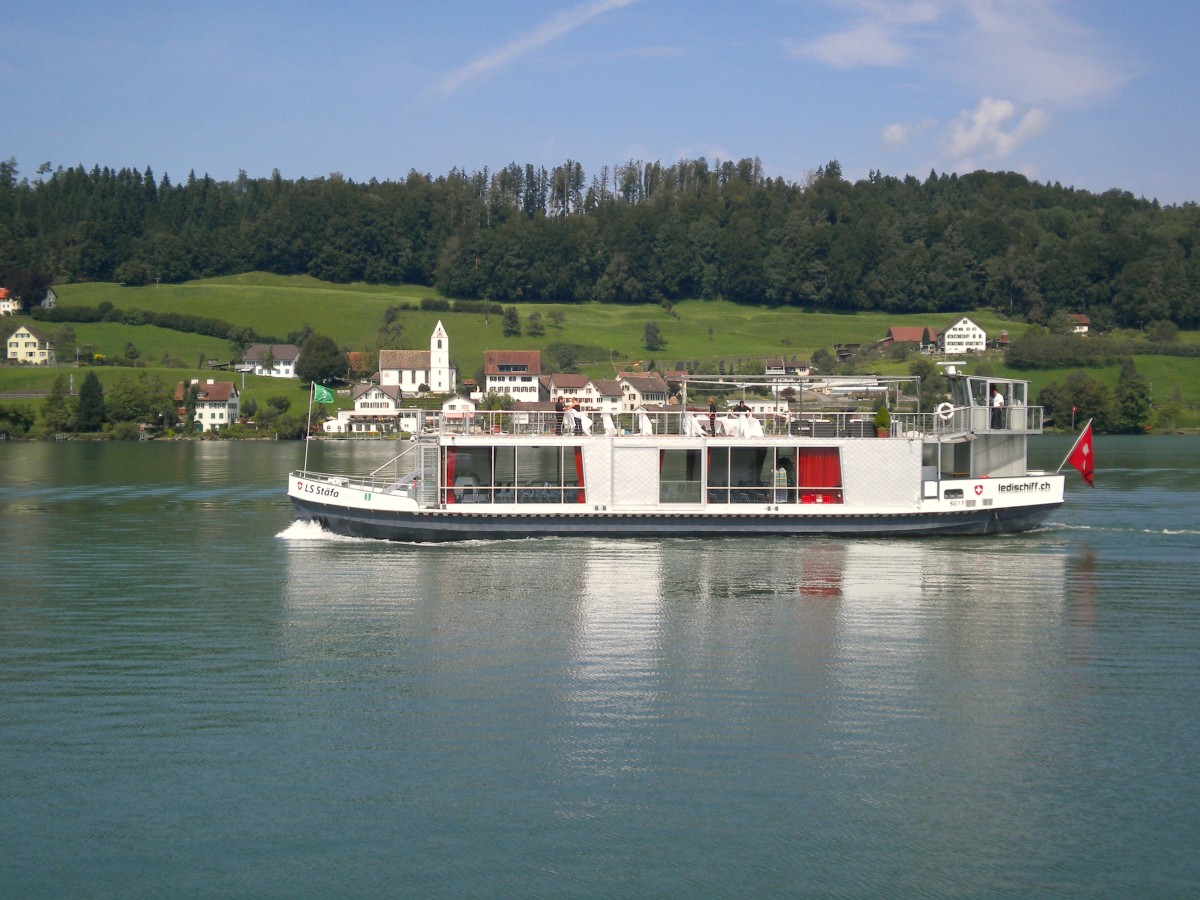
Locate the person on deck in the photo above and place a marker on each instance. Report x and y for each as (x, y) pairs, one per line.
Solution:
(997, 404)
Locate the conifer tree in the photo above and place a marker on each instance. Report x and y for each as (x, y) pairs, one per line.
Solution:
(90, 414)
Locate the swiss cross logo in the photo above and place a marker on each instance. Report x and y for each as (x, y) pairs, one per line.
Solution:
(978, 489)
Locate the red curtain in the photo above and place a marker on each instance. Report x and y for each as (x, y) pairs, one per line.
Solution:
(448, 484)
(579, 473)
(819, 467)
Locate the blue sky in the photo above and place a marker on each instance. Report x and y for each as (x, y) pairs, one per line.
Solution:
(1095, 95)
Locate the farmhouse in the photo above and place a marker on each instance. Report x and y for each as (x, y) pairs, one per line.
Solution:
(272, 360)
(961, 336)
(29, 346)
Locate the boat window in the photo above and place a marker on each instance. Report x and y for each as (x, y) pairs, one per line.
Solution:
(819, 475)
(979, 392)
(679, 476)
(752, 475)
(513, 475)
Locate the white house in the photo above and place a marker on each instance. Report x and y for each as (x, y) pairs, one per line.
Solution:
(409, 369)
(11, 306)
(603, 395)
(513, 372)
(458, 410)
(376, 411)
(641, 390)
(569, 386)
(29, 346)
(962, 336)
(1079, 323)
(272, 360)
(217, 404)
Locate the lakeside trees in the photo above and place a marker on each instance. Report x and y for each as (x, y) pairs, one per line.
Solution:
(634, 233)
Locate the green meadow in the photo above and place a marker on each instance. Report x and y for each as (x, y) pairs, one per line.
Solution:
(708, 332)
(352, 314)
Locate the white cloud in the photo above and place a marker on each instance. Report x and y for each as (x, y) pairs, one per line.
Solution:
(1026, 49)
(552, 29)
(902, 134)
(992, 131)
(868, 44)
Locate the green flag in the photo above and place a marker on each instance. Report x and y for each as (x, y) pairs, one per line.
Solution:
(322, 394)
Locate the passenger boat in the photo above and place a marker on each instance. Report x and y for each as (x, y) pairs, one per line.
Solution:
(958, 469)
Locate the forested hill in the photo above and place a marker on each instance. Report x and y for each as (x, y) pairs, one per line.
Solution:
(640, 232)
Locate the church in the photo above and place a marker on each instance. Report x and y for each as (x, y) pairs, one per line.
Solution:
(410, 369)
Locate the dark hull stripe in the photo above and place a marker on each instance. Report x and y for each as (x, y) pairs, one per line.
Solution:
(437, 526)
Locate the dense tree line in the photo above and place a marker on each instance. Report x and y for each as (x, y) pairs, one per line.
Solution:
(633, 233)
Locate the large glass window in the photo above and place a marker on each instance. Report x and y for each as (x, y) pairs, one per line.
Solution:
(752, 475)
(513, 475)
(679, 476)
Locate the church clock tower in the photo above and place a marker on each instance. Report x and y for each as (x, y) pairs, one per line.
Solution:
(441, 374)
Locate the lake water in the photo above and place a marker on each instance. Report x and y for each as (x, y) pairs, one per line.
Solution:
(200, 698)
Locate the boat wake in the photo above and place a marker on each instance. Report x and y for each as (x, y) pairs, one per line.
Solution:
(1062, 526)
(301, 530)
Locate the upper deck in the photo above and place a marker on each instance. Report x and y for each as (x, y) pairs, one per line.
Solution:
(826, 408)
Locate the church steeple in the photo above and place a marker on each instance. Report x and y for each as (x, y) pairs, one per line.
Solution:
(441, 375)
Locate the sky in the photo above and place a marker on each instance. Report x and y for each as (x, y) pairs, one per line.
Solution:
(1091, 94)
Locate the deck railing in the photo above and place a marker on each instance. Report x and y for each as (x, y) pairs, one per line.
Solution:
(816, 424)
(653, 422)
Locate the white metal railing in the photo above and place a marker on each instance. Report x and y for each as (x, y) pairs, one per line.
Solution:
(652, 422)
(970, 420)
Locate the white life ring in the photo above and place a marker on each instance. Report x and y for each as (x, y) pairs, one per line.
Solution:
(945, 411)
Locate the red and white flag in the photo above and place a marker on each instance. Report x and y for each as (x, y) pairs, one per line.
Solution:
(1082, 456)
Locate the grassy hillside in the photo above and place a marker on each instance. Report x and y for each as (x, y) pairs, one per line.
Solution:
(705, 331)
(351, 315)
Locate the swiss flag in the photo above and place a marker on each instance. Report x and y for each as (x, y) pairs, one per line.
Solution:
(1082, 456)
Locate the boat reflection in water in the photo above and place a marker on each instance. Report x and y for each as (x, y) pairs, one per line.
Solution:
(610, 617)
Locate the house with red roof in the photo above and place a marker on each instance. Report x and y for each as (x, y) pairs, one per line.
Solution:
(217, 404)
(513, 372)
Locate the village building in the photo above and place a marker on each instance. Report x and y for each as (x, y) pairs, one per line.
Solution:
(1079, 323)
(644, 389)
(11, 306)
(513, 372)
(458, 410)
(910, 337)
(777, 367)
(270, 360)
(376, 411)
(28, 346)
(961, 336)
(569, 386)
(218, 404)
(609, 397)
(416, 370)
